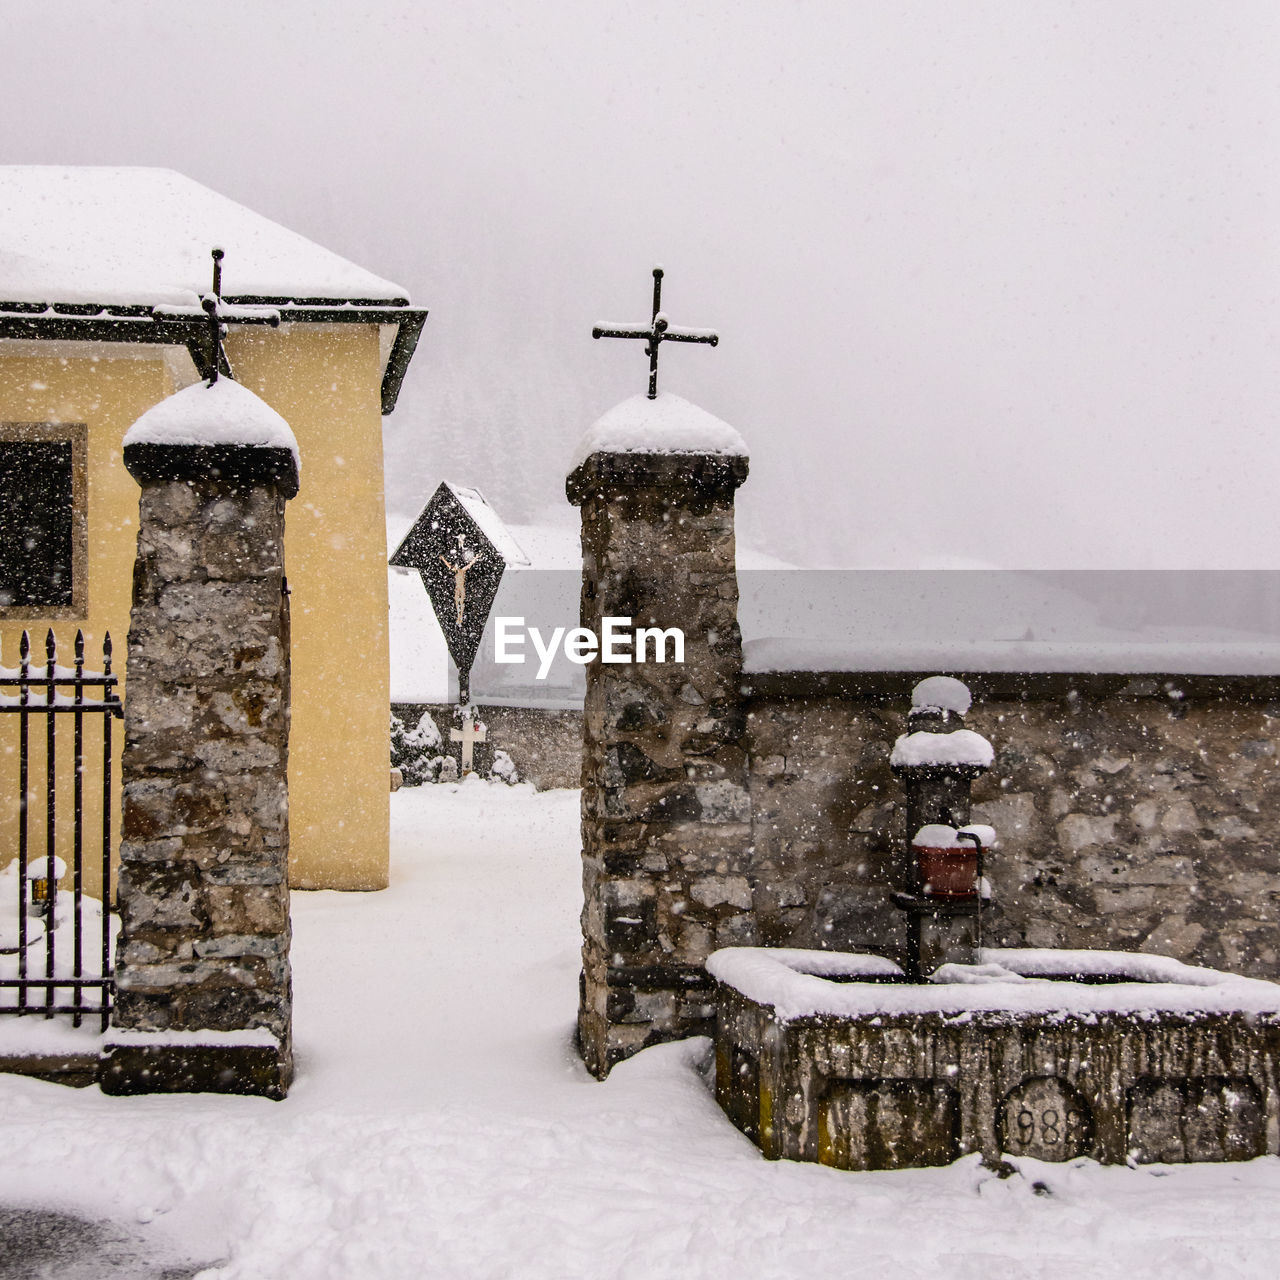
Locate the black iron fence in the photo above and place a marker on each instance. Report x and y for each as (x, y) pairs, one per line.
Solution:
(55, 937)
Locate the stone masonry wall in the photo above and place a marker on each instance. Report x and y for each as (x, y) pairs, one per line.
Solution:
(203, 894)
(665, 821)
(1135, 813)
(545, 745)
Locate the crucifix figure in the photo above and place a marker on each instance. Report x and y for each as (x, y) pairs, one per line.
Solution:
(656, 332)
(460, 572)
(468, 735)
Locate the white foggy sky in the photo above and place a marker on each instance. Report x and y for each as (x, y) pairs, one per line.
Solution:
(995, 280)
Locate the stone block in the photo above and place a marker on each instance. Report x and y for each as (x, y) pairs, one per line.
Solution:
(155, 896)
(723, 801)
(1148, 870)
(742, 930)
(236, 1069)
(889, 1090)
(1109, 899)
(714, 891)
(1079, 831)
(1174, 936)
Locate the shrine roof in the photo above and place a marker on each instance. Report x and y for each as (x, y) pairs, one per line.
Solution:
(140, 236)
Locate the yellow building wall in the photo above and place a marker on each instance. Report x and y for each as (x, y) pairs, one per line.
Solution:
(325, 381)
(107, 395)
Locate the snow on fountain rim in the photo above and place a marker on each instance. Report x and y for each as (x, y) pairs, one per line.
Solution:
(217, 413)
(793, 983)
(667, 424)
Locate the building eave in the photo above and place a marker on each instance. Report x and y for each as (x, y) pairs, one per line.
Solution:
(92, 322)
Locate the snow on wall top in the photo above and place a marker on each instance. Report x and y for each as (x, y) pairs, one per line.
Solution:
(668, 424)
(769, 654)
(794, 984)
(219, 413)
(136, 236)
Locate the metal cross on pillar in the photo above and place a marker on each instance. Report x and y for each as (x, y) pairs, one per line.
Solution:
(210, 304)
(657, 331)
(206, 349)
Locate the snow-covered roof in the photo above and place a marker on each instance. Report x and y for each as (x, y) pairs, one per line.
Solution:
(667, 424)
(219, 413)
(137, 236)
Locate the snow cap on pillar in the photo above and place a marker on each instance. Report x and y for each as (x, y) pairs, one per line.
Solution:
(214, 428)
(666, 424)
(640, 440)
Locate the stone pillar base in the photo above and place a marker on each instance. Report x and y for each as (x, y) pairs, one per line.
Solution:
(167, 1062)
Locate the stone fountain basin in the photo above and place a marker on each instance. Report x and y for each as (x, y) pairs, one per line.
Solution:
(835, 1058)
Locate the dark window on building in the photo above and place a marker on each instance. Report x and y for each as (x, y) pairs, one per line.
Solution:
(37, 524)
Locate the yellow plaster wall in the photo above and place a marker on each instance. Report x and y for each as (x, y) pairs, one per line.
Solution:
(107, 395)
(324, 379)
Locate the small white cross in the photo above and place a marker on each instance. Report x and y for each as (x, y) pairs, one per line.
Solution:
(468, 735)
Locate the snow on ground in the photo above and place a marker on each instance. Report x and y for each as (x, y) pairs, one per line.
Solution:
(441, 1124)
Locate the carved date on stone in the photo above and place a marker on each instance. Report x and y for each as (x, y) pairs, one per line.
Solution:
(1209, 1118)
(1045, 1117)
(888, 1124)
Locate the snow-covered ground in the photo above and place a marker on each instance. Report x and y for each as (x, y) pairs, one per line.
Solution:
(441, 1124)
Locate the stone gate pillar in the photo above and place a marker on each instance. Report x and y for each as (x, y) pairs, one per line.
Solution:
(202, 962)
(665, 810)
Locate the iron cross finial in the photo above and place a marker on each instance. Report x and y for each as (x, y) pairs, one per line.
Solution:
(657, 331)
(210, 302)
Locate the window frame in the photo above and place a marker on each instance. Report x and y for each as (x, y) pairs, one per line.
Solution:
(77, 434)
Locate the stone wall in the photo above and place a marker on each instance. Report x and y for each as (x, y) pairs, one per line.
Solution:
(665, 820)
(546, 745)
(905, 1090)
(202, 969)
(1135, 813)
(721, 808)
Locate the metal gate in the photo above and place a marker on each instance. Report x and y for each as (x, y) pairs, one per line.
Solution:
(56, 841)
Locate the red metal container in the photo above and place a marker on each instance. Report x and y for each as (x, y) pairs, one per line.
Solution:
(948, 873)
